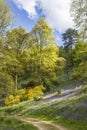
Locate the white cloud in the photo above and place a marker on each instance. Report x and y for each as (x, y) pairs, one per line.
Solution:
(28, 6)
(57, 12)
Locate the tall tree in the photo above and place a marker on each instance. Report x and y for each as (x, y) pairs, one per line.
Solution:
(42, 53)
(14, 44)
(79, 13)
(69, 38)
(6, 81)
(5, 17)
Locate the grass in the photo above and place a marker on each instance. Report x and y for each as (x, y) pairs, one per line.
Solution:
(72, 124)
(10, 124)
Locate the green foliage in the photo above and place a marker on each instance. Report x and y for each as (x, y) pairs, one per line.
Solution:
(84, 89)
(80, 59)
(42, 54)
(32, 56)
(69, 38)
(61, 63)
(14, 54)
(5, 18)
(6, 80)
(16, 39)
(6, 85)
(42, 34)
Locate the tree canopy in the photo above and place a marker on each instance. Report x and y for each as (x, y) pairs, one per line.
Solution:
(79, 13)
(34, 58)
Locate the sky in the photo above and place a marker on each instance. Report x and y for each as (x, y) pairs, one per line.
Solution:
(56, 12)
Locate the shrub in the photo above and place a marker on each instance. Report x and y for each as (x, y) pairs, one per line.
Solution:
(38, 92)
(84, 89)
(25, 94)
(17, 99)
(35, 93)
(21, 93)
(9, 100)
(12, 99)
(59, 92)
(30, 95)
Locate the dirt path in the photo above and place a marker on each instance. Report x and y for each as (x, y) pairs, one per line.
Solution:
(41, 125)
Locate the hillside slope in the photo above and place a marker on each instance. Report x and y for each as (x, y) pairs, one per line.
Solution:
(68, 109)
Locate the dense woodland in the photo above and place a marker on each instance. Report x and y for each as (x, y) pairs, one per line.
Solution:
(33, 62)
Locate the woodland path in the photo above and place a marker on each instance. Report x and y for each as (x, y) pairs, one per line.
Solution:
(41, 125)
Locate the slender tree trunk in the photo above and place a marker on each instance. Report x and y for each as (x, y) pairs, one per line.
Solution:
(16, 82)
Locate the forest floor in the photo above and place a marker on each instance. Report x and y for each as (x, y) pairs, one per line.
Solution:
(64, 111)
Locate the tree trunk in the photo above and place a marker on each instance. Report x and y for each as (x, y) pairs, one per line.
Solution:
(16, 82)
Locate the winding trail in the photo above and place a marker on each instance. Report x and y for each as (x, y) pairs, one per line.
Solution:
(41, 125)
